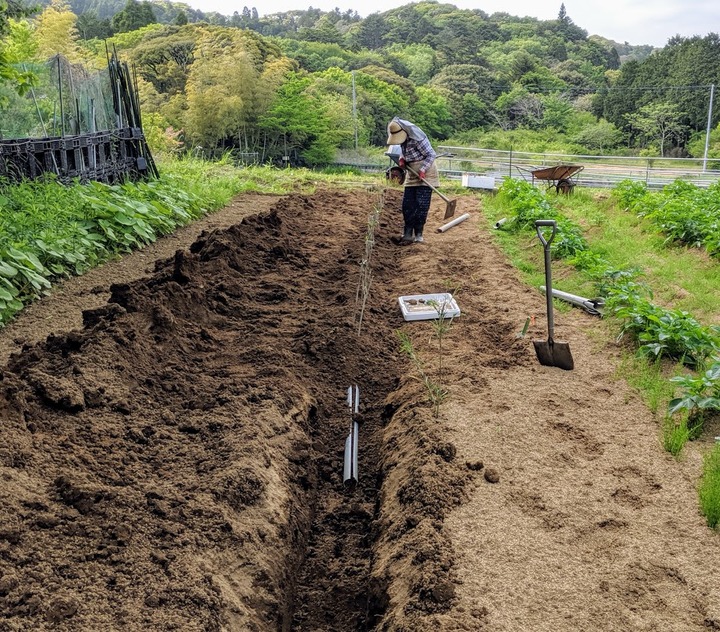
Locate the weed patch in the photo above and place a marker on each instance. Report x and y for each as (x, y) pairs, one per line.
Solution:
(710, 487)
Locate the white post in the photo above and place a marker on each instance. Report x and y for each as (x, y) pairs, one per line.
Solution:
(709, 126)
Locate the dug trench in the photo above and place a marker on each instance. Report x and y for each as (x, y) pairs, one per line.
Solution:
(177, 462)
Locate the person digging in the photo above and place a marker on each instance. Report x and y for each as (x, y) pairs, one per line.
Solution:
(417, 157)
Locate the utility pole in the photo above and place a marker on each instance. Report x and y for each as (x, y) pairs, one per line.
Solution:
(709, 127)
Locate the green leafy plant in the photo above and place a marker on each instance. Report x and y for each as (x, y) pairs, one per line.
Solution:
(529, 204)
(685, 213)
(700, 393)
(667, 332)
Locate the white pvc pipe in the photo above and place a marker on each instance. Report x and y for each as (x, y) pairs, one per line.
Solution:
(455, 222)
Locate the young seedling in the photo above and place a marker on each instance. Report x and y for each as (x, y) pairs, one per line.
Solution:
(363, 288)
(525, 328)
(436, 393)
(441, 327)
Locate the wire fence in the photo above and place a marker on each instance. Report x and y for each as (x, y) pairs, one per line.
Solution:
(76, 124)
(598, 171)
(595, 171)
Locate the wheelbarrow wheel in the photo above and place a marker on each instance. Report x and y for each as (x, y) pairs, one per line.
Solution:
(396, 175)
(564, 186)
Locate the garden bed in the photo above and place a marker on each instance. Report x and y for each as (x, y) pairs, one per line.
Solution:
(176, 463)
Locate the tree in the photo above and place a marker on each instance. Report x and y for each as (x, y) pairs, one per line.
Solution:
(297, 123)
(90, 26)
(519, 108)
(10, 76)
(470, 92)
(57, 32)
(431, 112)
(418, 60)
(557, 112)
(324, 31)
(372, 31)
(600, 136)
(135, 15)
(230, 84)
(165, 60)
(658, 121)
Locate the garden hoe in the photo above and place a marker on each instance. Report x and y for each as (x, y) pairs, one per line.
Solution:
(449, 204)
(551, 352)
(395, 154)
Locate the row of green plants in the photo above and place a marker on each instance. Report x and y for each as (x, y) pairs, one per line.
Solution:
(48, 230)
(685, 213)
(657, 331)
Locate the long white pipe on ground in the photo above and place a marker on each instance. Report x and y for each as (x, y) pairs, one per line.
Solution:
(455, 222)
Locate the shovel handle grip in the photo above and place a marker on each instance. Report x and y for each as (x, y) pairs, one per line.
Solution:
(540, 223)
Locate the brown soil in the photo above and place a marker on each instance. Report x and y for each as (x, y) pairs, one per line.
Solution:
(173, 438)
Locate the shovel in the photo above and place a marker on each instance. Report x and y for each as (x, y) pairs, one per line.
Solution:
(551, 352)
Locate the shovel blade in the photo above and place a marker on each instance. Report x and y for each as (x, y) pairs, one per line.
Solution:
(450, 208)
(554, 353)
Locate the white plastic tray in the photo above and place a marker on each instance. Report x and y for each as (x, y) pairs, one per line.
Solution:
(428, 306)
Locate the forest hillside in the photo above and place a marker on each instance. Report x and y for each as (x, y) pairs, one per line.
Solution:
(305, 84)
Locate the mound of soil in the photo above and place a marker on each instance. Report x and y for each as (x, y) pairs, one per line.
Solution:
(176, 461)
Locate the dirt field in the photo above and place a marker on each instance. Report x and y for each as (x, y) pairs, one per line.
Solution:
(173, 435)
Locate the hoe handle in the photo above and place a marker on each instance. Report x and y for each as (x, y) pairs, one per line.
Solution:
(417, 175)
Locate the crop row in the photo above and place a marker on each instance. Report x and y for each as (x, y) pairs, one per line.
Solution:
(657, 331)
(685, 213)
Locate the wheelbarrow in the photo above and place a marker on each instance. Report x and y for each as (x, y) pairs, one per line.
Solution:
(562, 177)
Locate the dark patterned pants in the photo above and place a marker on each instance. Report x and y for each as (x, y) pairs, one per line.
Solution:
(415, 207)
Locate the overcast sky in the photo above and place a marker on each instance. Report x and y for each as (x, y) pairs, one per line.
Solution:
(633, 21)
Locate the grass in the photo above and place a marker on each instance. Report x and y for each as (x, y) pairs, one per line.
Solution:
(650, 378)
(675, 434)
(219, 181)
(709, 491)
(681, 278)
(525, 252)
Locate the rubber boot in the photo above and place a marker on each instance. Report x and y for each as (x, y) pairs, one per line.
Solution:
(418, 236)
(407, 237)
